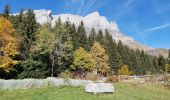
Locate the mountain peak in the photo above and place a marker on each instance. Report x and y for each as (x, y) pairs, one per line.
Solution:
(94, 14)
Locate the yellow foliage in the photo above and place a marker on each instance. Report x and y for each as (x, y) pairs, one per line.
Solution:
(6, 28)
(8, 45)
(167, 68)
(124, 70)
(83, 60)
(102, 62)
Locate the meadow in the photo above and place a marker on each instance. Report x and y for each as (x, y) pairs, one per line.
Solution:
(123, 91)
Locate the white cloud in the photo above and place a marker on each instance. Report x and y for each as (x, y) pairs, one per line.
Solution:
(143, 35)
(156, 28)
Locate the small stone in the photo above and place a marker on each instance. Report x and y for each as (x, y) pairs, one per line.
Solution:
(99, 88)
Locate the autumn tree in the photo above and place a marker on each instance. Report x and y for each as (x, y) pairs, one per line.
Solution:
(8, 45)
(124, 70)
(83, 61)
(101, 58)
(167, 68)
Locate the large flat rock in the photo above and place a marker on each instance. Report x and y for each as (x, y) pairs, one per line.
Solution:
(99, 88)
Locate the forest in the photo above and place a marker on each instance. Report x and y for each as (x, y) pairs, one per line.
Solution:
(31, 50)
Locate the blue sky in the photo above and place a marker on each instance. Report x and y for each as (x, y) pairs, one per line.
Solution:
(147, 21)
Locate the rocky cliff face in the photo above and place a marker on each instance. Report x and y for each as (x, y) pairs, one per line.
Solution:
(94, 20)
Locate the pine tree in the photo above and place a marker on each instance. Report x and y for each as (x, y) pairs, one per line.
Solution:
(58, 28)
(138, 69)
(27, 32)
(100, 37)
(30, 66)
(92, 37)
(44, 47)
(115, 59)
(6, 12)
(161, 63)
(81, 37)
(143, 62)
(155, 64)
(73, 36)
(17, 21)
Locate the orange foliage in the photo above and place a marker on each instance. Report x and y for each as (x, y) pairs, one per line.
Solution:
(8, 45)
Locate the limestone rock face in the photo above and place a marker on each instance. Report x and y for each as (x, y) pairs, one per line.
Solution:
(99, 88)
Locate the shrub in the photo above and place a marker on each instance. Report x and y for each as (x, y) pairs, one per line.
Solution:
(112, 79)
(92, 76)
(65, 75)
(124, 70)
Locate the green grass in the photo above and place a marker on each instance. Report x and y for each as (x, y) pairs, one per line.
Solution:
(123, 91)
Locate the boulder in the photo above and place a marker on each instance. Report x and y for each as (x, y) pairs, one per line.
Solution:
(99, 88)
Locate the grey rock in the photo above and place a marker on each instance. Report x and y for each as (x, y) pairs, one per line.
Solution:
(99, 88)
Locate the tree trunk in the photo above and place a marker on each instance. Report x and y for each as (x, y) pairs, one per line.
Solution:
(52, 66)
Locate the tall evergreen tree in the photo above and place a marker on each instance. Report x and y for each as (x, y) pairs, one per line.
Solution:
(27, 30)
(73, 36)
(92, 37)
(100, 37)
(6, 12)
(116, 60)
(155, 64)
(81, 37)
(161, 63)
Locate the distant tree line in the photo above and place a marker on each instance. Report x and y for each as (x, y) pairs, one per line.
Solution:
(30, 50)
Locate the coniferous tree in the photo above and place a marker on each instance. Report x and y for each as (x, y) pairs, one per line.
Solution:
(111, 48)
(73, 36)
(115, 59)
(81, 37)
(100, 37)
(18, 21)
(161, 63)
(92, 37)
(138, 69)
(6, 12)
(143, 62)
(155, 64)
(28, 32)
(134, 61)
